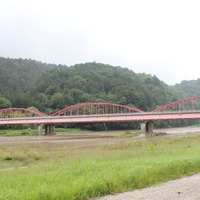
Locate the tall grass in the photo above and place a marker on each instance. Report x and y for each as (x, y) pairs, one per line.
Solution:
(95, 171)
(20, 132)
(29, 132)
(128, 134)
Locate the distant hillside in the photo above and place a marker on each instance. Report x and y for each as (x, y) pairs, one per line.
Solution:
(190, 88)
(16, 75)
(95, 82)
(50, 87)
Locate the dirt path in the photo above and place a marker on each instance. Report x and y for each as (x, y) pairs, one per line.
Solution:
(180, 189)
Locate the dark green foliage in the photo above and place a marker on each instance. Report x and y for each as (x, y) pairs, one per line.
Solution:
(16, 77)
(190, 88)
(4, 103)
(18, 74)
(95, 82)
(48, 88)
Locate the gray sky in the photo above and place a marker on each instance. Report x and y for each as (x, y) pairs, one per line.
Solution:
(160, 37)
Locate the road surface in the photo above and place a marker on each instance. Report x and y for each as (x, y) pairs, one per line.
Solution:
(187, 188)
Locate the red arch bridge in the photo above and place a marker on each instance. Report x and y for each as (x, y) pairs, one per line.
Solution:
(102, 112)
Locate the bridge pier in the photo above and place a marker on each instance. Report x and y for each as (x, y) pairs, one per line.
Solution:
(49, 129)
(40, 126)
(147, 127)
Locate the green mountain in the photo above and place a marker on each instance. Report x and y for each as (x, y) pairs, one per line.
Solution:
(190, 88)
(95, 82)
(51, 87)
(16, 77)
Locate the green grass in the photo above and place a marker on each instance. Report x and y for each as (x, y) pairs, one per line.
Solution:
(87, 172)
(69, 130)
(195, 125)
(20, 132)
(27, 132)
(128, 134)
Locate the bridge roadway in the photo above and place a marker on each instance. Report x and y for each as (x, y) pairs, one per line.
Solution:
(146, 116)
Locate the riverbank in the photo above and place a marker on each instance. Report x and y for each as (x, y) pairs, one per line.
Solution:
(88, 166)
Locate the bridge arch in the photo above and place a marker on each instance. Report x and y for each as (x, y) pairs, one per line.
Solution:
(175, 103)
(20, 112)
(95, 108)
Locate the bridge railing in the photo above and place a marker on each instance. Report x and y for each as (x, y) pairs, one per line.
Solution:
(185, 105)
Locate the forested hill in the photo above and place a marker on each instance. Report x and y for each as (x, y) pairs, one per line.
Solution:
(94, 82)
(191, 88)
(26, 83)
(16, 75)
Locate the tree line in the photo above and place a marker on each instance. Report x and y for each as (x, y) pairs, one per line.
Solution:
(49, 87)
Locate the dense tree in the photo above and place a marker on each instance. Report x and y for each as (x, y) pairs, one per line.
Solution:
(190, 88)
(5, 103)
(57, 101)
(47, 87)
(94, 82)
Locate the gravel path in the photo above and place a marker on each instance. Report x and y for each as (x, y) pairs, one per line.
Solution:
(187, 188)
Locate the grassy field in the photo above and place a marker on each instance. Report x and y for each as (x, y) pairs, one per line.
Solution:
(29, 132)
(128, 134)
(20, 132)
(31, 172)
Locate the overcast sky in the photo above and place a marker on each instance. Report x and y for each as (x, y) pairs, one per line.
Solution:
(160, 37)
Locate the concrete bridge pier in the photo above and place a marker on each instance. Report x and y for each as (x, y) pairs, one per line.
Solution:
(40, 126)
(49, 129)
(147, 127)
